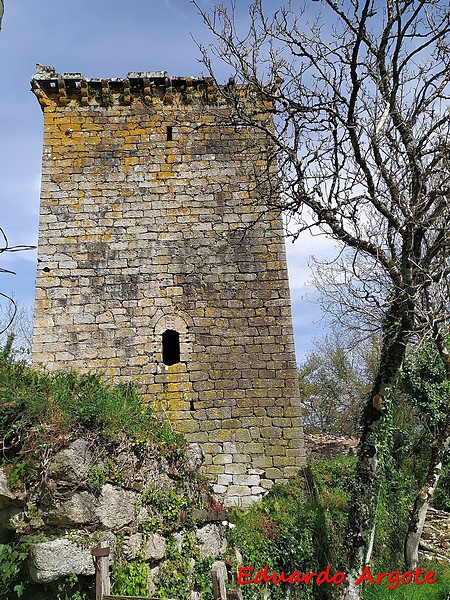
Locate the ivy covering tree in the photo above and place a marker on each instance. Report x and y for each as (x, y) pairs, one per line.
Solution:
(359, 149)
(427, 380)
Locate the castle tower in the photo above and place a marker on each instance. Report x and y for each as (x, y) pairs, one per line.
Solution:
(159, 264)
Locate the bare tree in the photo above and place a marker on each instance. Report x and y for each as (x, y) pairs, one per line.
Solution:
(360, 144)
(10, 312)
(2, 9)
(334, 378)
(16, 321)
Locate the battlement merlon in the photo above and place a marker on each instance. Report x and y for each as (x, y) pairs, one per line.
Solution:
(55, 88)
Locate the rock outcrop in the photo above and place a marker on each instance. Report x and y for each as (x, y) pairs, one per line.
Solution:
(58, 558)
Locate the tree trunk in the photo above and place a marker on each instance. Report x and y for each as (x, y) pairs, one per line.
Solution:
(423, 498)
(370, 467)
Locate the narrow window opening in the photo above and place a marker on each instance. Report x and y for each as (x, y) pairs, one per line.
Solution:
(169, 133)
(191, 405)
(170, 347)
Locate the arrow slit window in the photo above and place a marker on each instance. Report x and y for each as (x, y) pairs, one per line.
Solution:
(171, 347)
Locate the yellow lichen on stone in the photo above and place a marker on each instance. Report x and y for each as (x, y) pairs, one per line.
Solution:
(145, 234)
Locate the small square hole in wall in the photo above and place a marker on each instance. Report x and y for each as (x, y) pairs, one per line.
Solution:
(170, 347)
(169, 133)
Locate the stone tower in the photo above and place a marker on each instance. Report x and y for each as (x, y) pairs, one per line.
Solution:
(159, 263)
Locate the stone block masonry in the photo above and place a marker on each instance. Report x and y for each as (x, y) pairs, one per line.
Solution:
(161, 263)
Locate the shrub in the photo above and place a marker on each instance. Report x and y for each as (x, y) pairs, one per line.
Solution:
(298, 526)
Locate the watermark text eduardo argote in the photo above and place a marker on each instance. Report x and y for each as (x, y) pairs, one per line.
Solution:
(391, 580)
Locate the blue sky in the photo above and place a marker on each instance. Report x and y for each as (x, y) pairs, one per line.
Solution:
(100, 38)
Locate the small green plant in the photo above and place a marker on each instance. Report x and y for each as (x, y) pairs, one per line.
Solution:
(168, 504)
(12, 582)
(151, 525)
(131, 578)
(175, 574)
(15, 473)
(96, 478)
(69, 589)
(109, 472)
(202, 577)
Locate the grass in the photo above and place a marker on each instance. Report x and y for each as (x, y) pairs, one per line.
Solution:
(48, 409)
(440, 590)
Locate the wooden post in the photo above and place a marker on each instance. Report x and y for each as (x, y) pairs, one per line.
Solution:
(102, 583)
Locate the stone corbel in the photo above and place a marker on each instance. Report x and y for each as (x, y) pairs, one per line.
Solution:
(126, 91)
(42, 97)
(106, 92)
(84, 92)
(62, 91)
(168, 96)
(147, 90)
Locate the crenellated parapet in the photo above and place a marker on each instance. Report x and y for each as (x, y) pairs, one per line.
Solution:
(148, 86)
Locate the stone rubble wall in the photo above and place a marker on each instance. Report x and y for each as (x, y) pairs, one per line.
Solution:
(435, 541)
(151, 221)
(324, 446)
(61, 516)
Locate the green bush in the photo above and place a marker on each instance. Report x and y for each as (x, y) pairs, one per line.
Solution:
(299, 526)
(69, 402)
(11, 563)
(132, 578)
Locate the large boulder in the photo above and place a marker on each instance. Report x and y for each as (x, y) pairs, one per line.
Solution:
(116, 507)
(155, 547)
(211, 540)
(79, 509)
(70, 466)
(132, 545)
(49, 561)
